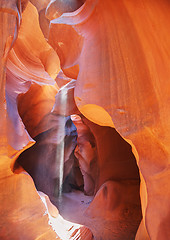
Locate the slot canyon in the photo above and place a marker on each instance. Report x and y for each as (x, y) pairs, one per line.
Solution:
(84, 120)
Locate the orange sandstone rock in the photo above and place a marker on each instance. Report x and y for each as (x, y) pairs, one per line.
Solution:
(86, 153)
(122, 82)
(118, 52)
(117, 206)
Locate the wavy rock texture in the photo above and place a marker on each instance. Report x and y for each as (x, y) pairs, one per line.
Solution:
(86, 153)
(24, 67)
(119, 209)
(125, 49)
(43, 160)
(114, 57)
(21, 208)
(115, 158)
(64, 100)
(57, 7)
(31, 60)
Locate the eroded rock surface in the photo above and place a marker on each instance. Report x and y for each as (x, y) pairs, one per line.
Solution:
(118, 204)
(86, 153)
(132, 68)
(53, 148)
(115, 158)
(115, 55)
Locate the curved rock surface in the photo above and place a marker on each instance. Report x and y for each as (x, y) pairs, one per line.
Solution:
(115, 158)
(86, 153)
(44, 160)
(115, 56)
(21, 207)
(118, 204)
(129, 58)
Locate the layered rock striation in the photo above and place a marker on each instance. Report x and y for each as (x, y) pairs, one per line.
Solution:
(84, 104)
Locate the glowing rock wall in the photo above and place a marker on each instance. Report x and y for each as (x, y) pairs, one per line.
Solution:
(117, 52)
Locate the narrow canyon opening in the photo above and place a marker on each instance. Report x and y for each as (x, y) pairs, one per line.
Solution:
(79, 81)
(100, 178)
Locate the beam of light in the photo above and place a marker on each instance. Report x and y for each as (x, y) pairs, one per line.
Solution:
(60, 147)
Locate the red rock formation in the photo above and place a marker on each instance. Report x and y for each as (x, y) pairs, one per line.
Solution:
(57, 7)
(44, 160)
(21, 207)
(118, 204)
(125, 49)
(118, 52)
(35, 106)
(86, 153)
(64, 100)
(24, 67)
(115, 158)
